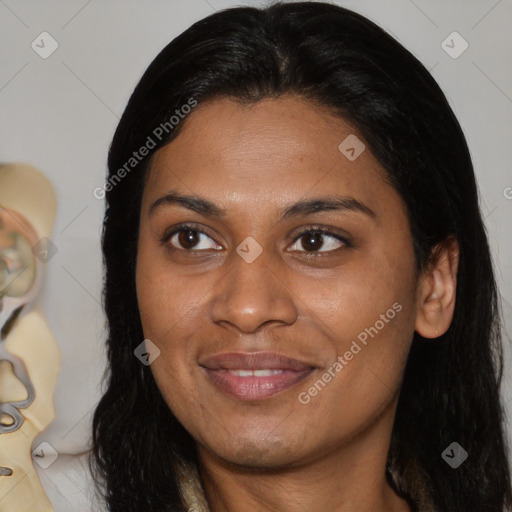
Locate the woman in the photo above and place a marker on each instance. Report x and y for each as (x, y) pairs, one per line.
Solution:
(300, 298)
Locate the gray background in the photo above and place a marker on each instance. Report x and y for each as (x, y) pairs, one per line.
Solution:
(59, 114)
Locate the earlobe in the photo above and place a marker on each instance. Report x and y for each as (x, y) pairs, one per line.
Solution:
(437, 288)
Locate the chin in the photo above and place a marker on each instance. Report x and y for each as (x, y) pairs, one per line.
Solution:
(270, 453)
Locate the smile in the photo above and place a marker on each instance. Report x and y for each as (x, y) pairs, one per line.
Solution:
(255, 376)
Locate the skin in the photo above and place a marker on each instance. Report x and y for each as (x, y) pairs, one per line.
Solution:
(279, 454)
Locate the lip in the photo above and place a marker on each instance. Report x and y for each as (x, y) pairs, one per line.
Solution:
(220, 368)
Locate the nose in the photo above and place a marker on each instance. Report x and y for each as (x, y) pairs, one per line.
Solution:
(251, 295)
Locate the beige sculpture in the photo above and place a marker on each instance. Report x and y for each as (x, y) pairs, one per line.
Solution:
(29, 355)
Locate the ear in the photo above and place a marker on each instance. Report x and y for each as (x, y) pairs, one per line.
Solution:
(436, 290)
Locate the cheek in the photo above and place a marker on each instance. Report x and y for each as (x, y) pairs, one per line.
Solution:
(169, 316)
(171, 307)
(362, 297)
(363, 381)
(368, 315)
(167, 299)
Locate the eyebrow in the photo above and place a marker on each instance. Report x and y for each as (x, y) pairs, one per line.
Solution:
(303, 207)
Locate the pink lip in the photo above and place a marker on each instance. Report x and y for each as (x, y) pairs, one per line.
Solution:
(255, 387)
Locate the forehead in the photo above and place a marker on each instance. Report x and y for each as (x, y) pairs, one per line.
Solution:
(278, 149)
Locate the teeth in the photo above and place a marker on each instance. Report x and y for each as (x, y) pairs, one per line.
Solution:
(255, 373)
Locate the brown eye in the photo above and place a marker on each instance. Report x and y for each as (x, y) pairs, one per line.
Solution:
(312, 241)
(188, 239)
(318, 241)
(191, 239)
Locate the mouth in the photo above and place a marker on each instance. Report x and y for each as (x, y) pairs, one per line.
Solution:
(256, 375)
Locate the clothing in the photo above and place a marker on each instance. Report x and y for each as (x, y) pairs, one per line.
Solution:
(194, 498)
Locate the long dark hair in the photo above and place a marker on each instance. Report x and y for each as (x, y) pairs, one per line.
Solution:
(340, 60)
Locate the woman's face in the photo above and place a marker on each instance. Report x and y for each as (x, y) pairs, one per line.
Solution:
(285, 307)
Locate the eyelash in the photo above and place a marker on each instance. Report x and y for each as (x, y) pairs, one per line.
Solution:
(311, 230)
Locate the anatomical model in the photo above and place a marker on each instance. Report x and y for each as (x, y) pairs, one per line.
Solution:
(29, 355)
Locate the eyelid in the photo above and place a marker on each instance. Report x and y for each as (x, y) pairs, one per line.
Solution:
(330, 230)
